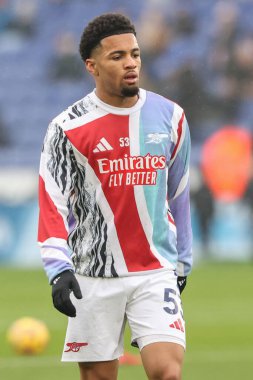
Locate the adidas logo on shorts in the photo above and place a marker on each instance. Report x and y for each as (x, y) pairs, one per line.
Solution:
(177, 325)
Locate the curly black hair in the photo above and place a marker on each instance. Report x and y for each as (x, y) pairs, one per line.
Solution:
(103, 26)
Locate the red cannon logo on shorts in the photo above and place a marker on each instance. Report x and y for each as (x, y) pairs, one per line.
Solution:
(75, 347)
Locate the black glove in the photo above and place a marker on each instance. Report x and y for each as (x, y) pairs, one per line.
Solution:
(181, 283)
(62, 285)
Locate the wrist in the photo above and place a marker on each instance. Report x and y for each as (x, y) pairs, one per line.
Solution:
(181, 282)
(59, 275)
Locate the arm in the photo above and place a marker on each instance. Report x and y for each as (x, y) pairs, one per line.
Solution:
(55, 191)
(178, 190)
(57, 173)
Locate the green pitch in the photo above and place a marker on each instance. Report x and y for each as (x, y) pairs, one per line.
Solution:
(218, 310)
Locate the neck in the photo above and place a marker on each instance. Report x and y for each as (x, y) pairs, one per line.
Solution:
(116, 100)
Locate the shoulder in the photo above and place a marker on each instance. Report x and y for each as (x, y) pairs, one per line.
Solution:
(164, 103)
(74, 113)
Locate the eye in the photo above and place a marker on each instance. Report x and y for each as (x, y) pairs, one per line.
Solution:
(136, 55)
(116, 57)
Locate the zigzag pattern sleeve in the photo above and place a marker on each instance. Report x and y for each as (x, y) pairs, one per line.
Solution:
(179, 189)
(57, 173)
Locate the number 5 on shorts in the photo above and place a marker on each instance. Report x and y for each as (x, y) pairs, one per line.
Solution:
(172, 307)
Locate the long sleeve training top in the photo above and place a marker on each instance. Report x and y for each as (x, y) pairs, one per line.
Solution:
(114, 189)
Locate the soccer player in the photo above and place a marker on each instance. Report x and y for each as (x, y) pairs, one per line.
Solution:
(114, 225)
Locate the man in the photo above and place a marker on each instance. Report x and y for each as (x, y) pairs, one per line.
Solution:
(114, 210)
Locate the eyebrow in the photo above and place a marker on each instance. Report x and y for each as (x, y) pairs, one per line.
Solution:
(124, 51)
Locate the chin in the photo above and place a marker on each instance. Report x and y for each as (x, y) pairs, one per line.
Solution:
(130, 91)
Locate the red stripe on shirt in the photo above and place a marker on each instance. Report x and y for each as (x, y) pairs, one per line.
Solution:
(50, 221)
(179, 134)
(171, 220)
(133, 241)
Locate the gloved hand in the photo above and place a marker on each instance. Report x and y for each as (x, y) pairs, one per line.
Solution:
(62, 285)
(181, 283)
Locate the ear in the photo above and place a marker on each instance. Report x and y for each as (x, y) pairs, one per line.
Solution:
(91, 66)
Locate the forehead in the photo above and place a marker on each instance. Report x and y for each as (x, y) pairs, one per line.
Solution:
(119, 42)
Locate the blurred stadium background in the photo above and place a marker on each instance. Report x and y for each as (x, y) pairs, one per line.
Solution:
(197, 53)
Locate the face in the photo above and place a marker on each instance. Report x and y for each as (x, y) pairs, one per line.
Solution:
(115, 65)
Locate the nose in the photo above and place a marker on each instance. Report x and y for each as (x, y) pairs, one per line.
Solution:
(130, 62)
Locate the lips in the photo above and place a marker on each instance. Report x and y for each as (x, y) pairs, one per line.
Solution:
(131, 77)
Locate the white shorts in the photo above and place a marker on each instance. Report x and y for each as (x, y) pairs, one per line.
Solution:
(150, 303)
